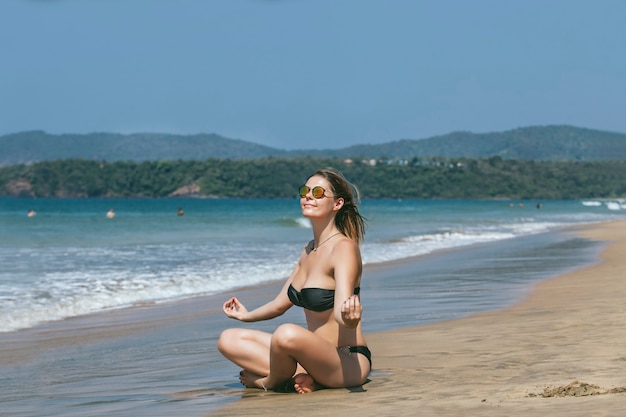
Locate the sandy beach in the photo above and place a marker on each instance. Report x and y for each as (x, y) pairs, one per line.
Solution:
(559, 352)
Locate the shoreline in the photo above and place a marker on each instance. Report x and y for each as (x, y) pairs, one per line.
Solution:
(166, 362)
(137, 313)
(544, 355)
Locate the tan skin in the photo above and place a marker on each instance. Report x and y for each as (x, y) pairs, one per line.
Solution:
(314, 353)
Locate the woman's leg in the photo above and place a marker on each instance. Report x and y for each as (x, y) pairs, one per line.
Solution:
(292, 344)
(249, 349)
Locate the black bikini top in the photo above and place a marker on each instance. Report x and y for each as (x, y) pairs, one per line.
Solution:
(315, 299)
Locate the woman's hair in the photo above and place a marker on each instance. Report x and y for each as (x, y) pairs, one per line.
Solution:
(348, 220)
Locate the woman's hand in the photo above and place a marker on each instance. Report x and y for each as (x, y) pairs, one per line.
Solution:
(351, 310)
(234, 309)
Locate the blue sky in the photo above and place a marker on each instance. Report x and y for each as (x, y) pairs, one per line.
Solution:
(311, 73)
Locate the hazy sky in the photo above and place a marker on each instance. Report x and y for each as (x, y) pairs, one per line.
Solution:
(311, 73)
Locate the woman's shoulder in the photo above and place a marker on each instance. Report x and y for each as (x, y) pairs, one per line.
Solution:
(346, 248)
(345, 243)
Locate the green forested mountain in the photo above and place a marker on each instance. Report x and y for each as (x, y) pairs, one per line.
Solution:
(34, 146)
(554, 143)
(461, 178)
(534, 163)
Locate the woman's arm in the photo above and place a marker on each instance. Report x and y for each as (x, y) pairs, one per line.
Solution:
(347, 267)
(235, 309)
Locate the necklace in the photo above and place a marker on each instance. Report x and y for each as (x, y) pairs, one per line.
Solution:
(315, 248)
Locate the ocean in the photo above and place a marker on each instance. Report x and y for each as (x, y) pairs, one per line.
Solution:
(70, 259)
(70, 263)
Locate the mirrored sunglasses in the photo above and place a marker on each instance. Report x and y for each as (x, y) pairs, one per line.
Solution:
(317, 191)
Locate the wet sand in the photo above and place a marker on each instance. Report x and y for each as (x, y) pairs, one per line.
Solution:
(559, 352)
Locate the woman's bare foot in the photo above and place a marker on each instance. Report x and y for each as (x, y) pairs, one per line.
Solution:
(304, 384)
(252, 380)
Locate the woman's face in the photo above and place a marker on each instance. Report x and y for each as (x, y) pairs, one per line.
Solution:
(324, 206)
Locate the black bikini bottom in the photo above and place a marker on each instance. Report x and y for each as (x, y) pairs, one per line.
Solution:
(363, 350)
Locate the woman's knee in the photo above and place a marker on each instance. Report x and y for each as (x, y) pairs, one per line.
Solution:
(228, 340)
(287, 336)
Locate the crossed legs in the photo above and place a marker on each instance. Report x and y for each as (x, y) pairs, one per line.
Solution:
(270, 360)
(250, 349)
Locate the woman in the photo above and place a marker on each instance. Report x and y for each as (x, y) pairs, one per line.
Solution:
(326, 281)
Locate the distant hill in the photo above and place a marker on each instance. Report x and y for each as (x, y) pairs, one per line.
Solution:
(555, 143)
(34, 146)
(550, 143)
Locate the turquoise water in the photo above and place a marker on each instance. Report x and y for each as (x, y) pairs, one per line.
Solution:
(71, 260)
(159, 357)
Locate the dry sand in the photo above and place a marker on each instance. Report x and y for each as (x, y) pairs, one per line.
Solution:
(560, 352)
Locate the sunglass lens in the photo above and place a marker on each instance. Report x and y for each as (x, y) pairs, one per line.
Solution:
(304, 190)
(317, 192)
